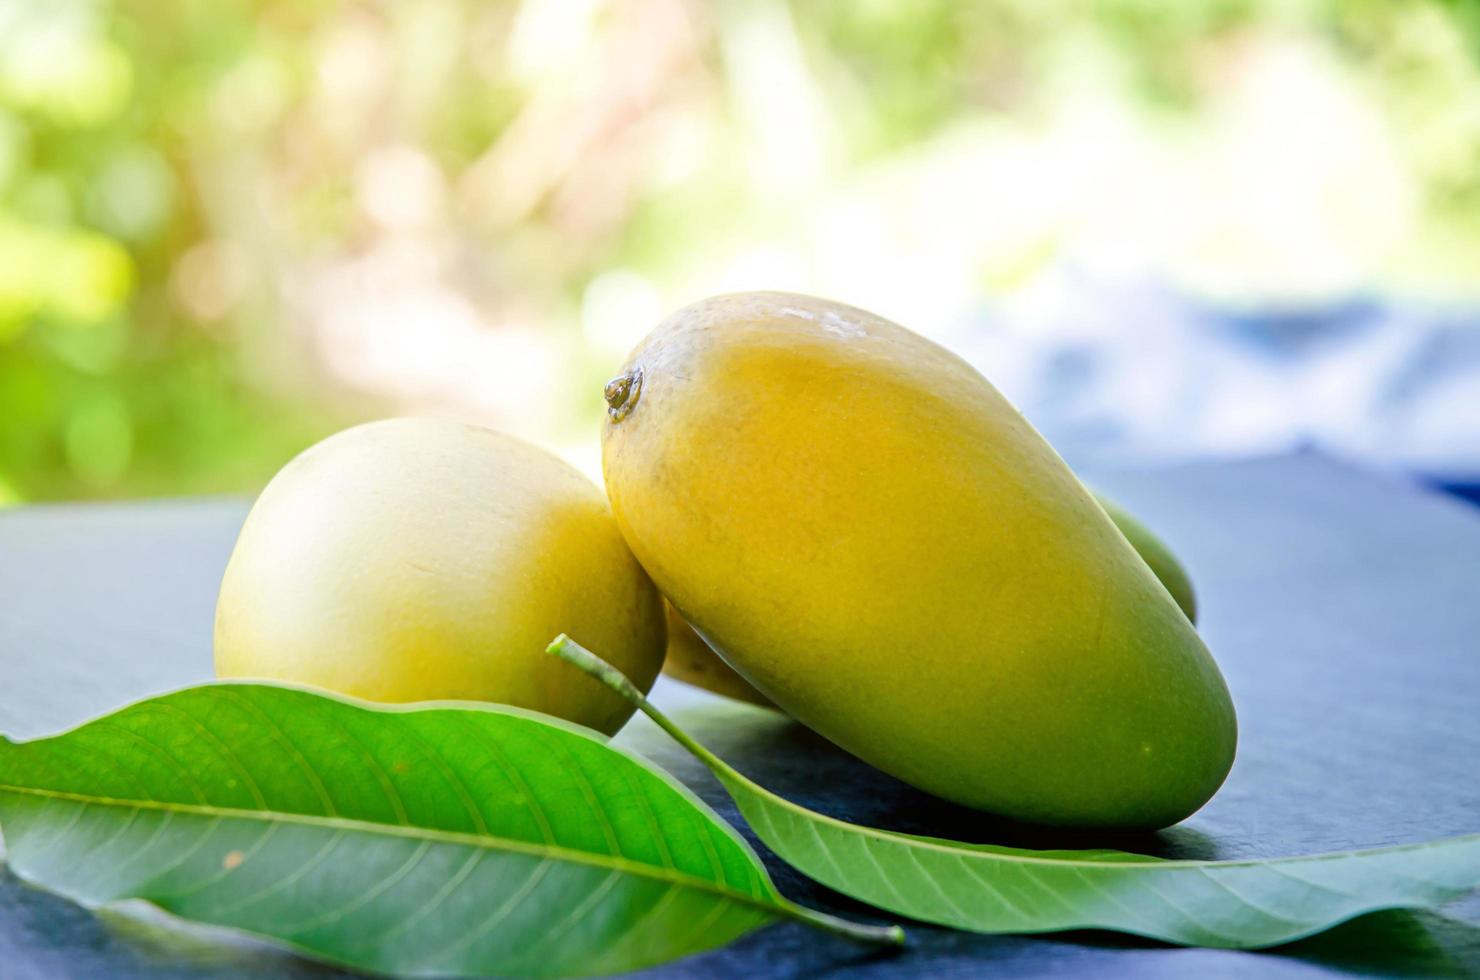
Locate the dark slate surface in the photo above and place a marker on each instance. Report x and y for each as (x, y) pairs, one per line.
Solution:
(1344, 608)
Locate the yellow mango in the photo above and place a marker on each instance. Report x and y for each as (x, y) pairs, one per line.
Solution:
(876, 540)
(1157, 556)
(420, 559)
(690, 660)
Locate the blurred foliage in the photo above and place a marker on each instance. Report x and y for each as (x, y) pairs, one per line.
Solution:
(228, 227)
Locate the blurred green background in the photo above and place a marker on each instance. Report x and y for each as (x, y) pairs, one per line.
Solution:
(228, 228)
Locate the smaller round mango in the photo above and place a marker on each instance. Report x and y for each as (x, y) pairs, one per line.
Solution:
(420, 559)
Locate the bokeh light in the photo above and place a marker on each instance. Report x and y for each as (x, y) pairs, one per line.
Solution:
(229, 227)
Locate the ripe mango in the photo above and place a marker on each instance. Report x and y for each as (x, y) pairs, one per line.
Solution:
(690, 660)
(876, 540)
(419, 559)
(1157, 556)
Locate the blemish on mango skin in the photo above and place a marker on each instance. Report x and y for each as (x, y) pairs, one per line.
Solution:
(831, 321)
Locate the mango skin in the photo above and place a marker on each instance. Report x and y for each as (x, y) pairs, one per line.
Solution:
(690, 660)
(1157, 556)
(876, 540)
(421, 559)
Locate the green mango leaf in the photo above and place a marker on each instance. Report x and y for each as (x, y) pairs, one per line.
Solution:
(984, 888)
(441, 839)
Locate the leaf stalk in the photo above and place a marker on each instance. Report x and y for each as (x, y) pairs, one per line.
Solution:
(578, 656)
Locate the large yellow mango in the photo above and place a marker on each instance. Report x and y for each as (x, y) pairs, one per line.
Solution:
(690, 660)
(876, 540)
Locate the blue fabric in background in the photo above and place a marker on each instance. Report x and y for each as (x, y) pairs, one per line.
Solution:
(1468, 492)
(1117, 372)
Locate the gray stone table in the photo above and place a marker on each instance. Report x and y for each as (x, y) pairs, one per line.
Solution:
(1344, 609)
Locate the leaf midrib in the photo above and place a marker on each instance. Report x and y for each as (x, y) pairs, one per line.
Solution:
(670, 876)
(1150, 862)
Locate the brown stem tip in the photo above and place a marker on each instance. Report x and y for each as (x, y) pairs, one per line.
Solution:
(622, 393)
